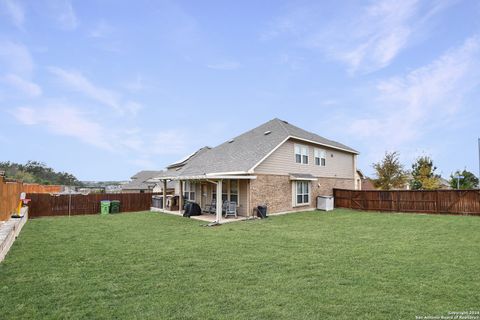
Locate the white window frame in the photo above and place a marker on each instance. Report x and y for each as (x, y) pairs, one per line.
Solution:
(303, 152)
(320, 154)
(306, 190)
(189, 191)
(230, 191)
(226, 190)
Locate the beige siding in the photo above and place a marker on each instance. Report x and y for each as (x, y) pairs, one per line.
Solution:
(339, 164)
(242, 199)
(198, 193)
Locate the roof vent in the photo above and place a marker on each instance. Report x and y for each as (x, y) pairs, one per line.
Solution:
(230, 141)
(267, 132)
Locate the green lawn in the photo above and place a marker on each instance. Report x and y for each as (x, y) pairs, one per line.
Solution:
(338, 265)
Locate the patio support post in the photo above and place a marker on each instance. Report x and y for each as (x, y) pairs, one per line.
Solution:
(164, 194)
(180, 198)
(219, 200)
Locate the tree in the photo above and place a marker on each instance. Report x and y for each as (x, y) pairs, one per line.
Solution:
(38, 172)
(469, 180)
(423, 174)
(389, 172)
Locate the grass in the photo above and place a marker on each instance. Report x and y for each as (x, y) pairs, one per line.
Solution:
(338, 265)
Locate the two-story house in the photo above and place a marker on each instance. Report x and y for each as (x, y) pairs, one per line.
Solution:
(275, 164)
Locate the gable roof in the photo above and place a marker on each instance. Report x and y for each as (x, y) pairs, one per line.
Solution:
(139, 180)
(184, 160)
(244, 152)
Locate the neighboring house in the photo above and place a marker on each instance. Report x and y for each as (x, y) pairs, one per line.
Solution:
(359, 177)
(362, 182)
(139, 184)
(277, 164)
(367, 184)
(444, 184)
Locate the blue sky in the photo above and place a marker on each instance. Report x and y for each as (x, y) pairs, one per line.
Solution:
(104, 89)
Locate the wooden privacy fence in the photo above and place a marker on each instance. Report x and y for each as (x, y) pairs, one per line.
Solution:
(78, 204)
(10, 194)
(9, 197)
(465, 202)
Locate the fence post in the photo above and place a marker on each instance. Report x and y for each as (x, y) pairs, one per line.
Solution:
(437, 209)
(334, 197)
(350, 196)
(364, 201)
(398, 201)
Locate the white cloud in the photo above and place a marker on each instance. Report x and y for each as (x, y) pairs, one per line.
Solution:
(139, 145)
(24, 86)
(423, 100)
(76, 81)
(16, 58)
(64, 14)
(66, 121)
(364, 39)
(79, 83)
(15, 11)
(226, 65)
(382, 31)
(168, 142)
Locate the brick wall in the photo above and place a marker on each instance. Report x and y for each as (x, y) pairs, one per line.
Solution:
(273, 190)
(324, 186)
(276, 191)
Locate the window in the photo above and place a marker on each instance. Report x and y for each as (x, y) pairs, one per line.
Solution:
(302, 192)
(234, 190)
(301, 154)
(224, 190)
(189, 191)
(320, 157)
(229, 191)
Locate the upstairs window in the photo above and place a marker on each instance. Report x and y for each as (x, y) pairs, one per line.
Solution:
(320, 157)
(301, 154)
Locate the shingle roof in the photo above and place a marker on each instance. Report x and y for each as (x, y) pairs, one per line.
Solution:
(302, 176)
(242, 153)
(139, 180)
(183, 161)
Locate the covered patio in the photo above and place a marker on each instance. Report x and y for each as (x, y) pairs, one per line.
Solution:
(205, 217)
(231, 191)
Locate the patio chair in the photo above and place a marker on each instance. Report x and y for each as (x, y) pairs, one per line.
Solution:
(224, 206)
(231, 209)
(212, 207)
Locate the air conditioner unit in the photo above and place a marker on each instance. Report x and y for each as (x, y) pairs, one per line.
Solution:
(325, 203)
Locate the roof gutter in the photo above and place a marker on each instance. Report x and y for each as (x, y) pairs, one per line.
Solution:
(205, 177)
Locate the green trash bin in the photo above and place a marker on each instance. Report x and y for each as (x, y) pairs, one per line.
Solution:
(115, 206)
(104, 207)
